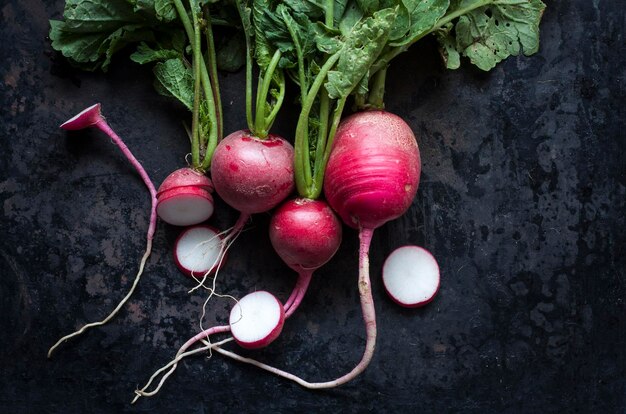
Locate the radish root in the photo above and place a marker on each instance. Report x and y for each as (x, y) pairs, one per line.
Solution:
(101, 124)
(180, 355)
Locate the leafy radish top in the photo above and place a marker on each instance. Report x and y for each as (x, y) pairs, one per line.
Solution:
(335, 49)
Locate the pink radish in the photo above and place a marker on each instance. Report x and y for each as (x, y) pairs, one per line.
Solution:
(184, 198)
(306, 234)
(253, 175)
(411, 276)
(93, 117)
(257, 320)
(371, 177)
(197, 251)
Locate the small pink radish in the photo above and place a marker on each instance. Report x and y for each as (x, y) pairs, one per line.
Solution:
(184, 198)
(253, 175)
(93, 117)
(306, 234)
(197, 251)
(256, 320)
(411, 276)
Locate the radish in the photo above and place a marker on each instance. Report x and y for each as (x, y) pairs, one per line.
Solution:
(256, 320)
(184, 198)
(411, 276)
(197, 251)
(306, 234)
(92, 117)
(253, 175)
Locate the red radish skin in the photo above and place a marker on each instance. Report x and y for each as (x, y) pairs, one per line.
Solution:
(250, 174)
(411, 276)
(306, 234)
(89, 117)
(204, 242)
(373, 171)
(185, 177)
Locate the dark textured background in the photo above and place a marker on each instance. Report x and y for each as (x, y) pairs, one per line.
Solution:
(522, 201)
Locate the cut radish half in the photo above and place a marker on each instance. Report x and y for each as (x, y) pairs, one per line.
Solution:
(185, 206)
(197, 251)
(185, 177)
(411, 276)
(256, 320)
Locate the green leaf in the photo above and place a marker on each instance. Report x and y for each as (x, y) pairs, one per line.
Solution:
(422, 16)
(447, 49)
(165, 10)
(360, 50)
(145, 54)
(504, 28)
(93, 16)
(175, 79)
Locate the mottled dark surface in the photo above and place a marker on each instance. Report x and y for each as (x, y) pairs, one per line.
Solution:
(522, 201)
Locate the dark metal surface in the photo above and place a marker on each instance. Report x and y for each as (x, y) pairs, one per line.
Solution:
(522, 201)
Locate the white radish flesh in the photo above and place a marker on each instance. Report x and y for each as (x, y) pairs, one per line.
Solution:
(256, 320)
(197, 251)
(185, 206)
(411, 276)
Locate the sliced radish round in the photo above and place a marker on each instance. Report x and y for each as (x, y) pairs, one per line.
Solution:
(185, 206)
(197, 250)
(256, 320)
(411, 276)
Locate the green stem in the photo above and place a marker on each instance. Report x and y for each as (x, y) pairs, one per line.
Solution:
(323, 129)
(384, 60)
(249, 120)
(329, 13)
(269, 121)
(196, 145)
(318, 179)
(265, 81)
(300, 55)
(206, 83)
(302, 166)
(212, 64)
(377, 90)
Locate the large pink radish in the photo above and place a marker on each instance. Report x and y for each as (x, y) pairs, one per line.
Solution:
(372, 176)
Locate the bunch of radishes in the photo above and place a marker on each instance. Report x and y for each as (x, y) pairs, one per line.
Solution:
(367, 165)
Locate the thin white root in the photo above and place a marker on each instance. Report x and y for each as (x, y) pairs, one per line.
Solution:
(172, 367)
(117, 308)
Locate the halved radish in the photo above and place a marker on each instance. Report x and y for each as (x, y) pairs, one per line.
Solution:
(256, 320)
(184, 198)
(185, 206)
(197, 250)
(411, 276)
